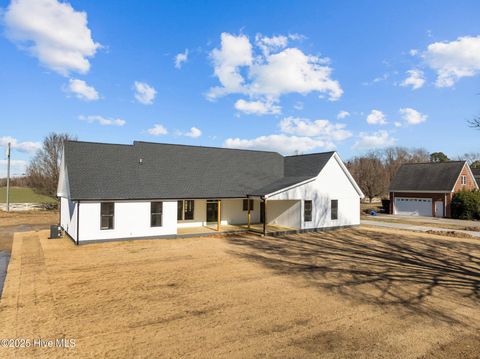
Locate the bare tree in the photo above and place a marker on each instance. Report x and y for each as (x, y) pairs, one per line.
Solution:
(43, 170)
(475, 123)
(370, 174)
(470, 157)
(375, 170)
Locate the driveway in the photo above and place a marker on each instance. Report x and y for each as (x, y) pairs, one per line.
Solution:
(417, 228)
(432, 220)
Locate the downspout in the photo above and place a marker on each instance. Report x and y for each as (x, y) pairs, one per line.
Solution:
(59, 199)
(264, 216)
(249, 215)
(78, 223)
(445, 205)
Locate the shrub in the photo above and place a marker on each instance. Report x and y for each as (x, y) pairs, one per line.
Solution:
(466, 205)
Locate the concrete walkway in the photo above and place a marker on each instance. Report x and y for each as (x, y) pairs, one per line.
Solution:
(4, 258)
(411, 227)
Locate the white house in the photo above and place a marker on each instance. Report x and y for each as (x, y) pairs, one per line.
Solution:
(112, 191)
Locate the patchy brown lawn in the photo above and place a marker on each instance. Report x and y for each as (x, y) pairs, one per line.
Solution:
(356, 293)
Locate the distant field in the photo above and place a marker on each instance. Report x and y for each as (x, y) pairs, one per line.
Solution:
(24, 195)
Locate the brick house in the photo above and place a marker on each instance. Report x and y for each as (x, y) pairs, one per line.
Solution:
(427, 189)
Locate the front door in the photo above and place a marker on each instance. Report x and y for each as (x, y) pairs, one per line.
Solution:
(212, 211)
(439, 209)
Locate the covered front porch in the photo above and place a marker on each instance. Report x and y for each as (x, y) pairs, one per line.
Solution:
(221, 216)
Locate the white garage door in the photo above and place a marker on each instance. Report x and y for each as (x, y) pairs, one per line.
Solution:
(413, 206)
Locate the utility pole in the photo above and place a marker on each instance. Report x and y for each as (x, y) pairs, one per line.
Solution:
(8, 177)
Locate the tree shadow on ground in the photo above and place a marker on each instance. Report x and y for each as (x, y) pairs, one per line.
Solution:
(377, 267)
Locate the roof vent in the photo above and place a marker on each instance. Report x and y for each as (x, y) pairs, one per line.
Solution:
(140, 161)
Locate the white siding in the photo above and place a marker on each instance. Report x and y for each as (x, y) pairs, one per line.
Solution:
(284, 213)
(233, 213)
(132, 219)
(332, 183)
(68, 217)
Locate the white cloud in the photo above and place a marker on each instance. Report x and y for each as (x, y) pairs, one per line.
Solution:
(369, 141)
(454, 60)
(235, 51)
(82, 90)
(257, 107)
(322, 129)
(273, 71)
(144, 93)
(413, 52)
(415, 79)
(180, 59)
(279, 143)
(26, 147)
(291, 71)
(298, 135)
(17, 167)
(157, 130)
(268, 44)
(194, 133)
(376, 117)
(102, 120)
(53, 32)
(343, 114)
(411, 116)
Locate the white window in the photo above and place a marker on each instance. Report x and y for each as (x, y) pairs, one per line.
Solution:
(464, 180)
(107, 215)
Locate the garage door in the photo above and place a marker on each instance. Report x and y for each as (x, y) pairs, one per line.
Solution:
(413, 206)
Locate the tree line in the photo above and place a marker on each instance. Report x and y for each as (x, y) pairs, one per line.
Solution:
(372, 171)
(375, 170)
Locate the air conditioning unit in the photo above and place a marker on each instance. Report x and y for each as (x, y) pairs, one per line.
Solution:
(55, 231)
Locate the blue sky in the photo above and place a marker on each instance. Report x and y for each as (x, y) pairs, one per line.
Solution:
(292, 76)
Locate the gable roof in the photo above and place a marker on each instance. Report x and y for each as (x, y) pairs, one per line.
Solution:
(144, 170)
(432, 177)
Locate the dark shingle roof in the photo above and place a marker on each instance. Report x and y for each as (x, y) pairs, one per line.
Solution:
(306, 165)
(427, 176)
(112, 171)
(283, 182)
(476, 174)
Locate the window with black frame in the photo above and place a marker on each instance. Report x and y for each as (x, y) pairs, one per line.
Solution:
(186, 210)
(107, 215)
(247, 203)
(307, 211)
(179, 210)
(156, 211)
(334, 209)
(189, 209)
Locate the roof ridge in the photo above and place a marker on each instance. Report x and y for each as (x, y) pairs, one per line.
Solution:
(213, 147)
(431, 163)
(311, 154)
(100, 143)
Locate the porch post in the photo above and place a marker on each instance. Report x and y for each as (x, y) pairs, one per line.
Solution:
(219, 219)
(248, 201)
(264, 216)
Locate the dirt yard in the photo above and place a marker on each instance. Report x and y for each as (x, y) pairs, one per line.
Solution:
(356, 293)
